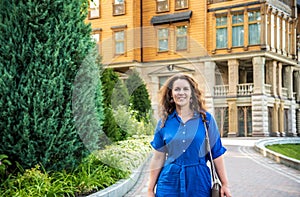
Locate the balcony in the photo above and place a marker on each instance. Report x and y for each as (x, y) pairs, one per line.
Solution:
(221, 90)
(244, 89)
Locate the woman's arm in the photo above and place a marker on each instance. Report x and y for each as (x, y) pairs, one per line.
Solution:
(221, 171)
(156, 164)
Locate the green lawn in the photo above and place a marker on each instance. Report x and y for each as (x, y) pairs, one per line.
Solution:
(290, 150)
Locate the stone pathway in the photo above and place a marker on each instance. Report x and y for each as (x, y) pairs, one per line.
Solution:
(250, 174)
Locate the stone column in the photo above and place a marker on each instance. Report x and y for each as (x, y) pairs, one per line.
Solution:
(259, 100)
(154, 87)
(275, 131)
(288, 80)
(258, 74)
(297, 82)
(233, 117)
(233, 77)
(281, 119)
(279, 79)
(209, 74)
(271, 76)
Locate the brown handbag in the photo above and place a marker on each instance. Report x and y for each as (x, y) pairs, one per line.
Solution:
(216, 183)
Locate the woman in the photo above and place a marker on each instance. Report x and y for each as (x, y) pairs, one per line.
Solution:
(178, 167)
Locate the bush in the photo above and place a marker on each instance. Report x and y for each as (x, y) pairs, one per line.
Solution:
(128, 123)
(96, 172)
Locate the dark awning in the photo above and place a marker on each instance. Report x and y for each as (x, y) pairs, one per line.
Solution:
(171, 18)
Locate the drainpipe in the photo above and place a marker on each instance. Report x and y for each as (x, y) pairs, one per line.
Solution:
(141, 31)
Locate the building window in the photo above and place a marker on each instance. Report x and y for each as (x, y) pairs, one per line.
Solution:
(254, 19)
(221, 24)
(118, 7)
(94, 9)
(163, 39)
(181, 37)
(237, 29)
(162, 5)
(181, 4)
(119, 40)
(96, 38)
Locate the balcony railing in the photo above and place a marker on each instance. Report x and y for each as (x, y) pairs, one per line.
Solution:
(245, 89)
(221, 90)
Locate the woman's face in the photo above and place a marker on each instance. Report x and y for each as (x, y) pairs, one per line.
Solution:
(181, 92)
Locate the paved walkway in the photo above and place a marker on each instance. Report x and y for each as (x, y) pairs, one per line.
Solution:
(249, 173)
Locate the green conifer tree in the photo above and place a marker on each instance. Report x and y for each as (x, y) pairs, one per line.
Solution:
(42, 45)
(109, 79)
(139, 97)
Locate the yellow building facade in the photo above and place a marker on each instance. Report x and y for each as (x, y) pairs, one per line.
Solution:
(244, 54)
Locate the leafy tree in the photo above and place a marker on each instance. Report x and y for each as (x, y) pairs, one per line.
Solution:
(139, 97)
(42, 45)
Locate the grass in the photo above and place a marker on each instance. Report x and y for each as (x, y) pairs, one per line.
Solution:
(289, 150)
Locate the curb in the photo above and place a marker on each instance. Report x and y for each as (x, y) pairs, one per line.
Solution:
(123, 186)
(279, 158)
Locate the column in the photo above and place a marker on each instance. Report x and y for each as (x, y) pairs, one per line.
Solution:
(233, 76)
(297, 85)
(271, 76)
(258, 74)
(275, 119)
(288, 81)
(209, 74)
(259, 100)
(274, 78)
(281, 119)
(279, 79)
(154, 87)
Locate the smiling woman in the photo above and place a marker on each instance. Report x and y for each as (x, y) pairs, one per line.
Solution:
(178, 166)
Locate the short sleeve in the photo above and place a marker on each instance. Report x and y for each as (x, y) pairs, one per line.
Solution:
(158, 142)
(217, 148)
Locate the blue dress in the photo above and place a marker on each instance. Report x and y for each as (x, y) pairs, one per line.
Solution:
(185, 172)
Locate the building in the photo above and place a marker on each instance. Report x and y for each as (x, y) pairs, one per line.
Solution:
(244, 53)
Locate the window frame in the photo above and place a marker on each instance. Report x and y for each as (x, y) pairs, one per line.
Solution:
(98, 45)
(163, 10)
(116, 5)
(181, 8)
(186, 35)
(254, 22)
(233, 25)
(224, 26)
(163, 38)
(93, 8)
(119, 41)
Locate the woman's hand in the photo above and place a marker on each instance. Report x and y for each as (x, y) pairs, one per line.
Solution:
(225, 191)
(151, 193)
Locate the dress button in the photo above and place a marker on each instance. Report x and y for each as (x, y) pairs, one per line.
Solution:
(183, 141)
(183, 132)
(183, 150)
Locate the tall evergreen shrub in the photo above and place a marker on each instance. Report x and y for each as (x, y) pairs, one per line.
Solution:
(109, 79)
(42, 45)
(139, 97)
